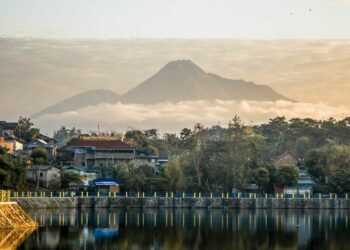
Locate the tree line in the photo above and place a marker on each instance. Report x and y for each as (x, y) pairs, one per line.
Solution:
(220, 158)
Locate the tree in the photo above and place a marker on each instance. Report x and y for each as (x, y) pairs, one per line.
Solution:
(330, 162)
(175, 176)
(25, 131)
(64, 135)
(143, 141)
(124, 174)
(339, 180)
(287, 175)
(238, 152)
(302, 145)
(12, 172)
(69, 177)
(262, 177)
(196, 151)
(141, 178)
(276, 134)
(40, 156)
(186, 137)
(169, 145)
(151, 134)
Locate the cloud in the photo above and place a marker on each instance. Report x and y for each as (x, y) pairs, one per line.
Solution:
(53, 70)
(174, 116)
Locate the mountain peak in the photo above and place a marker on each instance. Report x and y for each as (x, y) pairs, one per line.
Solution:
(180, 80)
(186, 66)
(183, 80)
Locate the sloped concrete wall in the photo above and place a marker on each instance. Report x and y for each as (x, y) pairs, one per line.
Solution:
(151, 202)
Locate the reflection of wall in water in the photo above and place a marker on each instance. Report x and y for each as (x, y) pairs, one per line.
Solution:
(297, 227)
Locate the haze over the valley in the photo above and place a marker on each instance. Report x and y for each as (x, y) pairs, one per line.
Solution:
(36, 73)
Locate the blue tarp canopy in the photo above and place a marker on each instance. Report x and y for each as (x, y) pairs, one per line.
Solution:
(105, 182)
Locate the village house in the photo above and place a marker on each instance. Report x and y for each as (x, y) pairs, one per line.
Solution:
(145, 160)
(153, 161)
(39, 143)
(44, 174)
(18, 144)
(7, 128)
(286, 158)
(6, 144)
(64, 157)
(304, 184)
(93, 152)
(47, 139)
(11, 143)
(161, 161)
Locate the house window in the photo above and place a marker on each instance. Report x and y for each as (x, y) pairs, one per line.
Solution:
(41, 174)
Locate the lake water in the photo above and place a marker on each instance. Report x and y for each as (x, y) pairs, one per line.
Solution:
(189, 229)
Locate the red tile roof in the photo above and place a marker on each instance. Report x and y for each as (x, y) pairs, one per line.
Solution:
(104, 144)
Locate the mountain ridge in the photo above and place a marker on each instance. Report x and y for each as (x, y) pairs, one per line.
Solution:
(180, 80)
(81, 100)
(183, 80)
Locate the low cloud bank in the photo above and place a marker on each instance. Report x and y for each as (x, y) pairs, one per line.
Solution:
(172, 117)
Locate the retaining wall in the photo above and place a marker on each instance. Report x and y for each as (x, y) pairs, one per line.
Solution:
(149, 202)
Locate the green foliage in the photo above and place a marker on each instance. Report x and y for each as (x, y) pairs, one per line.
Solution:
(339, 179)
(40, 156)
(262, 177)
(25, 131)
(220, 158)
(143, 141)
(287, 175)
(175, 176)
(3, 151)
(68, 177)
(217, 159)
(12, 172)
(301, 135)
(333, 163)
(140, 178)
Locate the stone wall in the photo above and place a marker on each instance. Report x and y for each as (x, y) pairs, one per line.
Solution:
(149, 202)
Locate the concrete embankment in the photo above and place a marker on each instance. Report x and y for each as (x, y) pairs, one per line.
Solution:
(151, 202)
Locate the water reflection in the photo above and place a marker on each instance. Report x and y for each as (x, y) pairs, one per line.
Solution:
(189, 229)
(11, 238)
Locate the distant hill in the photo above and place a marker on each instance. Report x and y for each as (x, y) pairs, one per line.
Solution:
(184, 81)
(82, 100)
(177, 81)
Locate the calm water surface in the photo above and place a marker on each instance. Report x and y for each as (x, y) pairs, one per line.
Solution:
(189, 229)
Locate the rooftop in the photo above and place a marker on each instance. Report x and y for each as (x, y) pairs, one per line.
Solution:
(8, 125)
(40, 167)
(102, 144)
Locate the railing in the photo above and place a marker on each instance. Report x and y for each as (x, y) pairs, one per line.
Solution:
(6, 195)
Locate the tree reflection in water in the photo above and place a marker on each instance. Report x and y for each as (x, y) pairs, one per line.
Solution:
(189, 229)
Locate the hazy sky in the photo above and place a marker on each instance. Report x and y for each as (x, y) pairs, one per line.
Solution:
(301, 48)
(178, 19)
